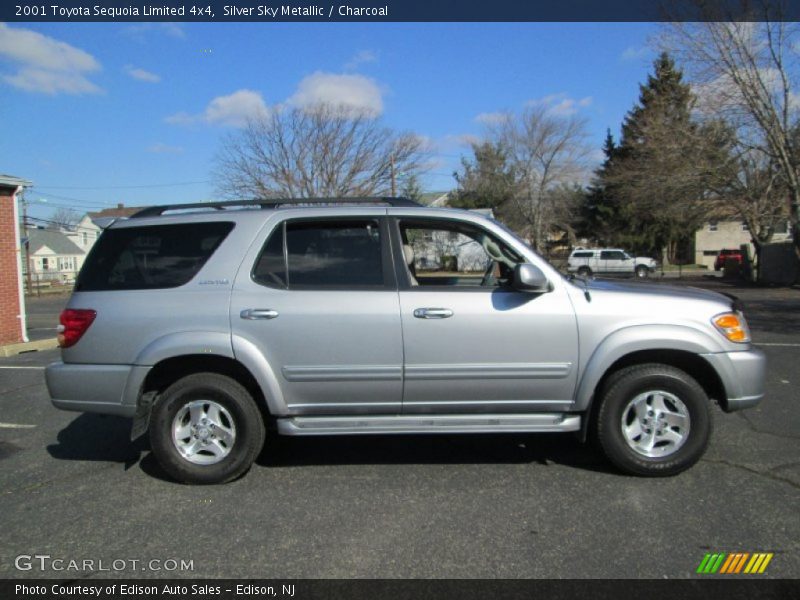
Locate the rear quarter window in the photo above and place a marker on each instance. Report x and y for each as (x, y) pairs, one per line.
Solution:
(151, 257)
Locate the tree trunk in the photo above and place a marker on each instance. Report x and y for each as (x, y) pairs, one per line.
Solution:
(756, 264)
(795, 218)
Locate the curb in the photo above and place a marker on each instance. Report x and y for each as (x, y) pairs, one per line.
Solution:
(13, 349)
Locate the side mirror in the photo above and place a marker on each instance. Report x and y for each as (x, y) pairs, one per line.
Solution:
(529, 278)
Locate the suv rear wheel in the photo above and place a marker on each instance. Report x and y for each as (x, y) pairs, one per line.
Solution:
(206, 428)
(584, 272)
(654, 420)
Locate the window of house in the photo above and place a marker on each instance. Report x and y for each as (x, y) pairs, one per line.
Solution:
(712, 226)
(45, 264)
(322, 254)
(85, 238)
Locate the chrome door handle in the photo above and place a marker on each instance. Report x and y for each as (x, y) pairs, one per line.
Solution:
(433, 313)
(255, 314)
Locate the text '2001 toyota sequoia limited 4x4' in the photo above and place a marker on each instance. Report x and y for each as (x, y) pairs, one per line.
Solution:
(210, 324)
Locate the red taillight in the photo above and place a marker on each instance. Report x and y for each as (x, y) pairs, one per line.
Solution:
(74, 323)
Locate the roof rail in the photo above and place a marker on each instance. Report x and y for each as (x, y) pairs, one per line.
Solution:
(155, 211)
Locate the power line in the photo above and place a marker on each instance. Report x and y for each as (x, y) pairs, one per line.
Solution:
(71, 199)
(122, 187)
(75, 227)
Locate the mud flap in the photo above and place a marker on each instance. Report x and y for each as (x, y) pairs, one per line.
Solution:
(141, 420)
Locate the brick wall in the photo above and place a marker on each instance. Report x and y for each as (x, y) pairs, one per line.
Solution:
(10, 330)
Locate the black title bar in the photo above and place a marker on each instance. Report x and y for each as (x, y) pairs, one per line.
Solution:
(712, 588)
(398, 10)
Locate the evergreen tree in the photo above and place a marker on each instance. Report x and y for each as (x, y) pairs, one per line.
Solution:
(488, 180)
(411, 188)
(663, 168)
(599, 215)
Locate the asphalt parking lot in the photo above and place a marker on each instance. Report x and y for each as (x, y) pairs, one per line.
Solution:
(72, 486)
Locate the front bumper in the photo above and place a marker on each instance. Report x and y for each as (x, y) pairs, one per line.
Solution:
(742, 374)
(105, 389)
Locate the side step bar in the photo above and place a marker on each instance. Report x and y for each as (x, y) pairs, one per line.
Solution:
(354, 425)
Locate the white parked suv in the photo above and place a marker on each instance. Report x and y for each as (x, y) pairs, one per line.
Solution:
(587, 261)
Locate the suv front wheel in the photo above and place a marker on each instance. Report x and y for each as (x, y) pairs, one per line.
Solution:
(654, 420)
(205, 428)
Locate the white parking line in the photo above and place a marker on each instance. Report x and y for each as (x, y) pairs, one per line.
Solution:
(15, 426)
(776, 344)
(20, 367)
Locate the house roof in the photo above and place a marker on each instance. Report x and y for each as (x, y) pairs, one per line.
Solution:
(11, 181)
(55, 240)
(116, 212)
(438, 199)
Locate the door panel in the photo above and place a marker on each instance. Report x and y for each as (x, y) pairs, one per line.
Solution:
(321, 305)
(500, 351)
(343, 363)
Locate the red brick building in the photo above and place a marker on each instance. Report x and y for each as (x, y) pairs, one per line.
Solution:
(12, 299)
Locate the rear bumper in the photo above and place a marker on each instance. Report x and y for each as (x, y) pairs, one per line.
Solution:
(742, 375)
(105, 389)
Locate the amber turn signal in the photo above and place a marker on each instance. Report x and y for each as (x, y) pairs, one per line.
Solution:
(733, 326)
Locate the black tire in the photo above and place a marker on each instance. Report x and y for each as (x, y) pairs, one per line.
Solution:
(240, 407)
(625, 385)
(641, 271)
(584, 272)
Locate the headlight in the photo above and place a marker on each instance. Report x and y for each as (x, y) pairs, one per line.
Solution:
(733, 326)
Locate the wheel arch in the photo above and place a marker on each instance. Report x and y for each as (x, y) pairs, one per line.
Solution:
(678, 346)
(218, 352)
(169, 370)
(690, 363)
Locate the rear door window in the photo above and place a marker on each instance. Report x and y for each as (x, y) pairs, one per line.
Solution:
(322, 254)
(150, 257)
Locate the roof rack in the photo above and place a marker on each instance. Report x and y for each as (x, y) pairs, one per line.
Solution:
(155, 211)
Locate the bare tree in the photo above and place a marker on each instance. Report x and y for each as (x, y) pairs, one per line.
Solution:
(755, 190)
(747, 72)
(547, 152)
(321, 151)
(63, 218)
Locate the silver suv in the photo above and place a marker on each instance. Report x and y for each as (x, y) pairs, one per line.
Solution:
(213, 324)
(587, 261)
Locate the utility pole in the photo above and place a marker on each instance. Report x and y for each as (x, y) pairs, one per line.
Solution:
(394, 178)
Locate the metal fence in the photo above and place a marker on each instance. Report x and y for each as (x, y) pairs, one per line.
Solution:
(49, 281)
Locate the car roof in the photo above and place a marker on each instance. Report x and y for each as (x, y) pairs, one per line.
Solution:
(249, 213)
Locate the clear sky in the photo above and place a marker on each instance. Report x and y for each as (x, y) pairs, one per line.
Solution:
(91, 110)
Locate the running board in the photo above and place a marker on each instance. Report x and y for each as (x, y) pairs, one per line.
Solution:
(347, 425)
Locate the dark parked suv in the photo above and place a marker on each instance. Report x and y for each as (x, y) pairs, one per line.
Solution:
(726, 255)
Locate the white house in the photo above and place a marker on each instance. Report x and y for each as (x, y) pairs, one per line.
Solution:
(86, 232)
(53, 257)
(716, 235)
(468, 253)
